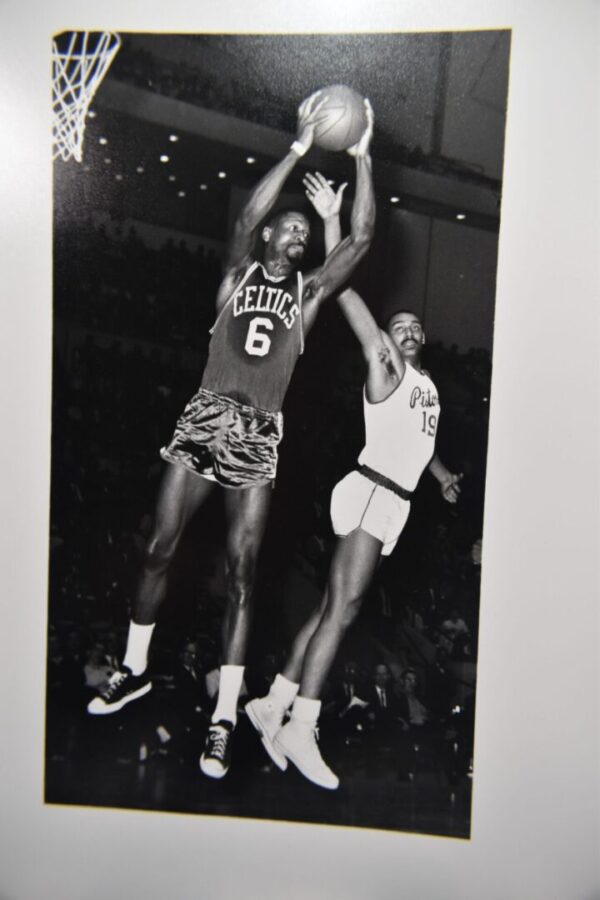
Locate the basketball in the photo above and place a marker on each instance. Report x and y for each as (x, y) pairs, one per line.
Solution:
(342, 118)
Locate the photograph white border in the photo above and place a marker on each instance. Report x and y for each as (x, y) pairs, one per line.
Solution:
(535, 825)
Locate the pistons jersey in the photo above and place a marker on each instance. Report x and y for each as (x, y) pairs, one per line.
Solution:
(256, 340)
(400, 430)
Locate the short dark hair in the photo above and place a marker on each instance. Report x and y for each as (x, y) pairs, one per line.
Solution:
(398, 312)
(276, 218)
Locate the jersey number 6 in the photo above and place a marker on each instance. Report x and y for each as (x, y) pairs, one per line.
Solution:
(257, 342)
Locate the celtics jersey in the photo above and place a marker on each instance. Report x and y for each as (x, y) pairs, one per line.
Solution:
(256, 340)
(400, 430)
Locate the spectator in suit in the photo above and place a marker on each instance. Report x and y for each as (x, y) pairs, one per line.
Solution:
(384, 710)
(346, 710)
(192, 697)
(385, 722)
(413, 712)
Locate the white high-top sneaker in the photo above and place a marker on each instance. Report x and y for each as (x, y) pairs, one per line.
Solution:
(267, 716)
(298, 742)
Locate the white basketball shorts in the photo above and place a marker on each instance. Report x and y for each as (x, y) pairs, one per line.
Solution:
(357, 502)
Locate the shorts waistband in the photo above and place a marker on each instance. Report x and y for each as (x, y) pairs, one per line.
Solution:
(242, 407)
(372, 475)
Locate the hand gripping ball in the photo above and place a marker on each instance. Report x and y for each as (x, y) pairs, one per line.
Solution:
(341, 120)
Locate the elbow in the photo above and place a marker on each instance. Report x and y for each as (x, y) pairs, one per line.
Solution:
(362, 233)
(245, 222)
(362, 241)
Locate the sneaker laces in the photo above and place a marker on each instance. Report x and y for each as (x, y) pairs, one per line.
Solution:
(113, 683)
(217, 739)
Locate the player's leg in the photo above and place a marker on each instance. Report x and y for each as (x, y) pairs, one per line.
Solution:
(354, 563)
(267, 713)
(180, 495)
(246, 512)
(295, 661)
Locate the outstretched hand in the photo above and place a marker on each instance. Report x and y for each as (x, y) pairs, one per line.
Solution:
(450, 488)
(362, 147)
(325, 200)
(308, 114)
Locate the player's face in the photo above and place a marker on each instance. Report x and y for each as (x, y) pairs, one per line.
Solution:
(407, 334)
(290, 236)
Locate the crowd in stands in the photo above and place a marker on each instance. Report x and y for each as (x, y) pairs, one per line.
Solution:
(182, 81)
(235, 96)
(131, 331)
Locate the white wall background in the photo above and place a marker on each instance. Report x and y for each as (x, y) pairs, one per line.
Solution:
(536, 803)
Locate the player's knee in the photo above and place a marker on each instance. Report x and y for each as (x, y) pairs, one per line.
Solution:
(159, 552)
(344, 610)
(240, 579)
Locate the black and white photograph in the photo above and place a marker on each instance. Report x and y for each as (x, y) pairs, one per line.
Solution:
(300, 450)
(274, 270)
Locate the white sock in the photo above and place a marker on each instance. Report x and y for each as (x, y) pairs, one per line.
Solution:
(306, 711)
(138, 642)
(230, 682)
(283, 691)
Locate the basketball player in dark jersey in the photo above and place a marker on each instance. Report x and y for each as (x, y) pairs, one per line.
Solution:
(230, 430)
(369, 509)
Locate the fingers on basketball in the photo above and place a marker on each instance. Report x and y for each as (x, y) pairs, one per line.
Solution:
(340, 118)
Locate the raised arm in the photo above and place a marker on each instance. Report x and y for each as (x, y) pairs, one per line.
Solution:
(346, 255)
(386, 365)
(263, 197)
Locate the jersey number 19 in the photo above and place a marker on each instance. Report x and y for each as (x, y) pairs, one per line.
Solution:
(429, 424)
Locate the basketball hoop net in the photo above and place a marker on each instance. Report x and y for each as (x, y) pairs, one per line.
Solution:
(78, 67)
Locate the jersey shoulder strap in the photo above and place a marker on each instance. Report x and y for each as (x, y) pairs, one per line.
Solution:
(251, 268)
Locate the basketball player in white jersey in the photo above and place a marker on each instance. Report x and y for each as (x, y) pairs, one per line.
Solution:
(369, 509)
(230, 430)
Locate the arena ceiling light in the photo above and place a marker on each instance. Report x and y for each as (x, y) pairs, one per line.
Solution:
(394, 199)
(103, 141)
(107, 160)
(172, 177)
(222, 174)
(173, 138)
(181, 193)
(164, 158)
(250, 160)
(91, 114)
(203, 187)
(140, 170)
(460, 216)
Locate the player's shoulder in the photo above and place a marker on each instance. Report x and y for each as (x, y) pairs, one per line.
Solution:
(234, 274)
(426, 373)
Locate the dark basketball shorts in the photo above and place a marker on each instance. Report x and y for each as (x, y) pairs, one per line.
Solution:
(225, 441)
